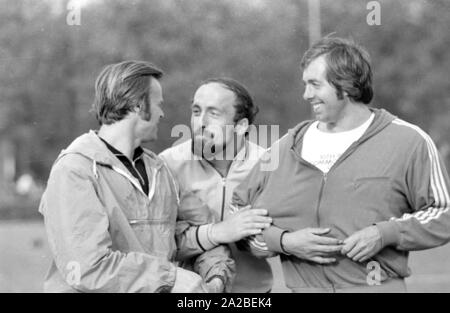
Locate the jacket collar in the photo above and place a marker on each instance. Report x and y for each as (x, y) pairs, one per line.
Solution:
(92, 147)
(137, 154)
(381, 120)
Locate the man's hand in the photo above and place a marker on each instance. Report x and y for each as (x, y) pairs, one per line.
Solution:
(241, 224)
(188, 282)
(363, 244)
(310, 244)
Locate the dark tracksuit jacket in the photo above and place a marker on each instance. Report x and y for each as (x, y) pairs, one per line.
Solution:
(392, 177)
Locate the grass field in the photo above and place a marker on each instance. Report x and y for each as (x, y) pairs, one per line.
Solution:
(24, 260)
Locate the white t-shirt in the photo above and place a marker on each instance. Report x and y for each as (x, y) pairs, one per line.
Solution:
(322, 149)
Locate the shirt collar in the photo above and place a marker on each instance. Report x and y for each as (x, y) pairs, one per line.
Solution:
(137, 152)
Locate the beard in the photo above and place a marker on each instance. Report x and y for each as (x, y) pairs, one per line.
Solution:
(206, 149)
(204, 146)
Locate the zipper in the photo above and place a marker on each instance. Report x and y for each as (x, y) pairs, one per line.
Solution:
(324, 181)
(322, 186)
(224, 180)
(146, 222)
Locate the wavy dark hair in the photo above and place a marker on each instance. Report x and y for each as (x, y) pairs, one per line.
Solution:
(348, 67)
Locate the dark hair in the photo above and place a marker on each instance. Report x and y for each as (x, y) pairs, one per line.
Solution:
(121, 87)
(244, 104)
(348, 67)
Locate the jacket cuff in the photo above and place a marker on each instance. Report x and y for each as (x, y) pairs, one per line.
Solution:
(203, 237)
(169, 278)
(272, 237)
(390, 234)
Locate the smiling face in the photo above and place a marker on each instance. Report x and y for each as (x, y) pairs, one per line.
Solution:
(326, 105)
(212, 119)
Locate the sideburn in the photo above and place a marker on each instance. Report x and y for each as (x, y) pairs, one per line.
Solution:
(144, 107)
(339, 93)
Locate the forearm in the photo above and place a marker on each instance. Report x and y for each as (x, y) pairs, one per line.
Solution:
(193, 240)
(216, 263)
(426, 187)
(264, 245)
(410, 233)
(273, 237)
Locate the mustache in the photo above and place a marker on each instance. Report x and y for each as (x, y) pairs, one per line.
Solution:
(203, 149)
(204, 133)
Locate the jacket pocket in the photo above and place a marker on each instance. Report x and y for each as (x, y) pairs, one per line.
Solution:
(156, 236)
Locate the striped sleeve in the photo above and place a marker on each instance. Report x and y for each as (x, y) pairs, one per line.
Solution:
(427, 183)
(245, 194)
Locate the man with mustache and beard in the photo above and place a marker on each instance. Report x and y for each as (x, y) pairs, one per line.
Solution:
(212, 164)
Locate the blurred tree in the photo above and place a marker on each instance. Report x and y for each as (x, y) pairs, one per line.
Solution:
(48, 67)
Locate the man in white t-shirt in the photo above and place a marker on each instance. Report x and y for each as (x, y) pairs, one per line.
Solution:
(323, 148)
(356, 189)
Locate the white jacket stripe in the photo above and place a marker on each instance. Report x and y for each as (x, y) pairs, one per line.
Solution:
(438, 187)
